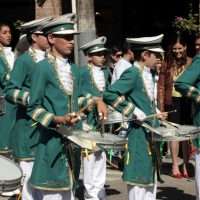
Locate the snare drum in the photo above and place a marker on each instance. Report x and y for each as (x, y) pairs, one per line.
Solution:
(10, 175)
(179, 133)
(105, 141)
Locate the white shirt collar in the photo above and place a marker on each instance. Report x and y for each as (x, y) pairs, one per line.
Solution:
(96, 68)
(38, 54)
(61, 60)
(7, 49)
(136, 64)
(126, 61)
(145, 68)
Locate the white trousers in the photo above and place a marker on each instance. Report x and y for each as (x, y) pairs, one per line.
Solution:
(94, 176)
(142, 193)
(51, 195)
(197, 174)
(27, 191)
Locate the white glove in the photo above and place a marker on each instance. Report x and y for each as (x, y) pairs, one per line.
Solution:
(140, 115)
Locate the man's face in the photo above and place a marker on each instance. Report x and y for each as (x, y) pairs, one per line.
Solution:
(41, 41)
(150, 59)
(62, 44)
(97, 59)
(5, 35)
(115, 57)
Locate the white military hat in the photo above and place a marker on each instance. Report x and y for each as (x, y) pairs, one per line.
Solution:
(95, 46)
(35, 26)
(61, 25)
(147, 43)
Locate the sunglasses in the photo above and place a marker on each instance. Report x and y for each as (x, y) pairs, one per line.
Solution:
(118, 55)
(102, 53)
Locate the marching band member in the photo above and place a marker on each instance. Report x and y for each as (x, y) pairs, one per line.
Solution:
(188, 84)
(124, 62)
(94, 80)
(7, 58)
(128, 95)
(24, 136)
(53, 97)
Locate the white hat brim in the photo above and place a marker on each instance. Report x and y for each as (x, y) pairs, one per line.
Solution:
(146, 40)
(157, 50)
(98, 50)
(36, 22)
(65, 32)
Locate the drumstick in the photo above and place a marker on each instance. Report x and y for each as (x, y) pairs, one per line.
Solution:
(79, 114)
(82, 110)
(148, 117)
(156, 114)
(102, 129)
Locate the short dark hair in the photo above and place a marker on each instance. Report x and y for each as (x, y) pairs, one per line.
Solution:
(4, 24)
(29, 38)
(125, 47)
(114, 49)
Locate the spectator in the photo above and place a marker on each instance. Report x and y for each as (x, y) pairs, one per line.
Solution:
(175, 63)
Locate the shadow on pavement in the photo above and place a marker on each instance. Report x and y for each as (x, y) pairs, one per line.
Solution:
(111, 191)
(171, 193)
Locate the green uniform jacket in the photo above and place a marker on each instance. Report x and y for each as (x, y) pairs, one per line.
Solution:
(88, 88)
(7, 120)
(124, 95)
(24, 137)
(51, 170)
(188, 84)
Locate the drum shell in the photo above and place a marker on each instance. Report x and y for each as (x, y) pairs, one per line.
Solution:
(7, 186)
(11, 184)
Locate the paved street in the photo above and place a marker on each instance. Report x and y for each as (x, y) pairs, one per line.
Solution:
(172, 189)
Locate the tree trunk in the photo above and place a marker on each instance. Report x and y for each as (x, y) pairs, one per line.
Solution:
(49, 8)
(86, 26)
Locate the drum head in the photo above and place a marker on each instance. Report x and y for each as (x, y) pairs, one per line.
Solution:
(188, 130)
(99, 138)
(166, 132)
(9, 171)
